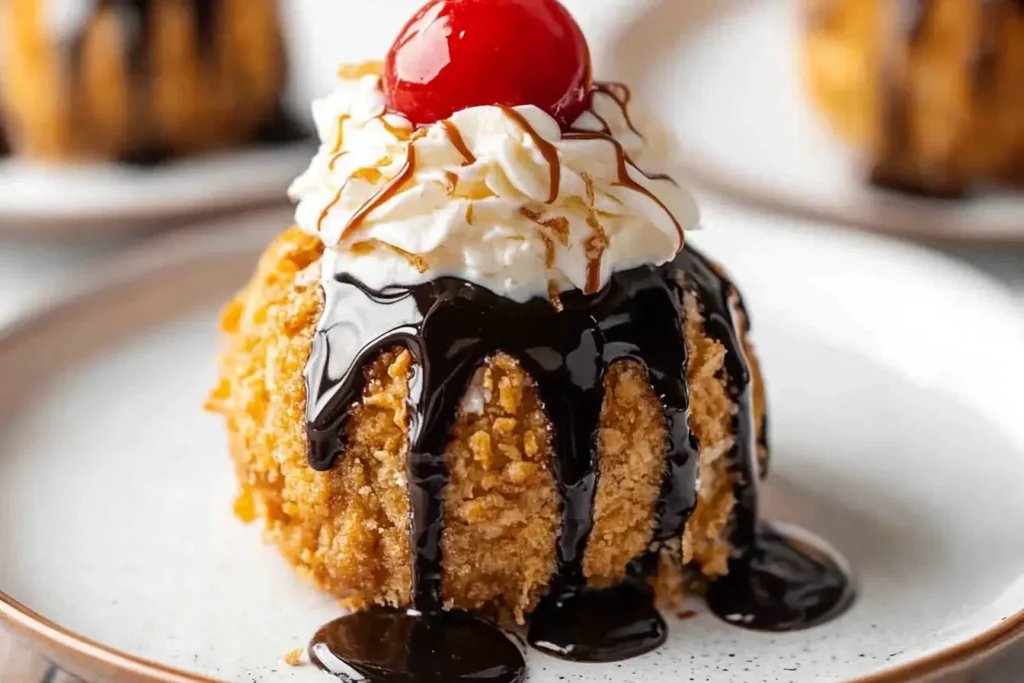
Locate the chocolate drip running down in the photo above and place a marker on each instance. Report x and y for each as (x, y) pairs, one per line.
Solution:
(392, 645)
(451, 327)
(136, 26)
(895, 167)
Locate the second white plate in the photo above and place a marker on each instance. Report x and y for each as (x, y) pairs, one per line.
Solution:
(76, 200)
(726, 76)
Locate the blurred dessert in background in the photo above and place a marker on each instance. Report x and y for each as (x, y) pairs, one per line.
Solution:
(139, 80)
(931, 90)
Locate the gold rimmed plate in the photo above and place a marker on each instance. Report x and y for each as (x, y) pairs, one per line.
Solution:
(726, 76)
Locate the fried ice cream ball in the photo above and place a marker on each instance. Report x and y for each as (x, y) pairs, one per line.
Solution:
(929, 90)
(186, 82)
(347, 529)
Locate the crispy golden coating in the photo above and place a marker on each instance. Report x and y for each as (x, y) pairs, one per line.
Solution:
(936, 113)
(348, 529)
(501, 506)
(705, 542)
(193, 99)
(630, 451)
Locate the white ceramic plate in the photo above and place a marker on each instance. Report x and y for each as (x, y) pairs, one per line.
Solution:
(894, 374)
(42, 199)
(727, 74)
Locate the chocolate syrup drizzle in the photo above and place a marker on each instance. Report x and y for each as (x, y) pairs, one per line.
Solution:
(136, 27)
(895, 167)
(451, 327)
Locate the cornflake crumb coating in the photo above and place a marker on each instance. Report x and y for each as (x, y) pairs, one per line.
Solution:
(347, 530)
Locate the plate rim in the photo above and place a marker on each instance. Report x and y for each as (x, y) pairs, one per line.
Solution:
(184, 246)
(23, 223)
(912, 222)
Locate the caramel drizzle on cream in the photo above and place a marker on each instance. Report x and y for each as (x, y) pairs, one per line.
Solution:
(336, 151)
(455, 137)
(624, 179)
(594, 246)
(370, 174)
(550, 152)
(451, 182)
(368, 246)
(622, 95)
(334, 159)
(401, 134)
(547, 150)
(388, 191)
(339, 140)
(558, 226)
(555, 296)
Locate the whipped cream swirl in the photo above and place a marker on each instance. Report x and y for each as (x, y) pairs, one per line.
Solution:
(497, 196)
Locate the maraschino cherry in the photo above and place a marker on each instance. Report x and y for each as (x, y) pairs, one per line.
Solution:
(455, 54)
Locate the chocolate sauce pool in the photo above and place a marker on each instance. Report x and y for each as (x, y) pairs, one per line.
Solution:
(393, 646)
(451, 327)
(783, 583)
(599, 625)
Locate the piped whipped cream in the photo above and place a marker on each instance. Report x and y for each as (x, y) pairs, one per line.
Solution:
(497, 196)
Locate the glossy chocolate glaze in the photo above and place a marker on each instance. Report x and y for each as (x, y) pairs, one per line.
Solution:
(782, 584)
(607, 625)
(775, 583)
(451, 327)
(136, 19)
(895, 167)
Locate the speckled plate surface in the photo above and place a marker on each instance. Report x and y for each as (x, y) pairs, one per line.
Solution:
(726, 75)
(894, 377)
